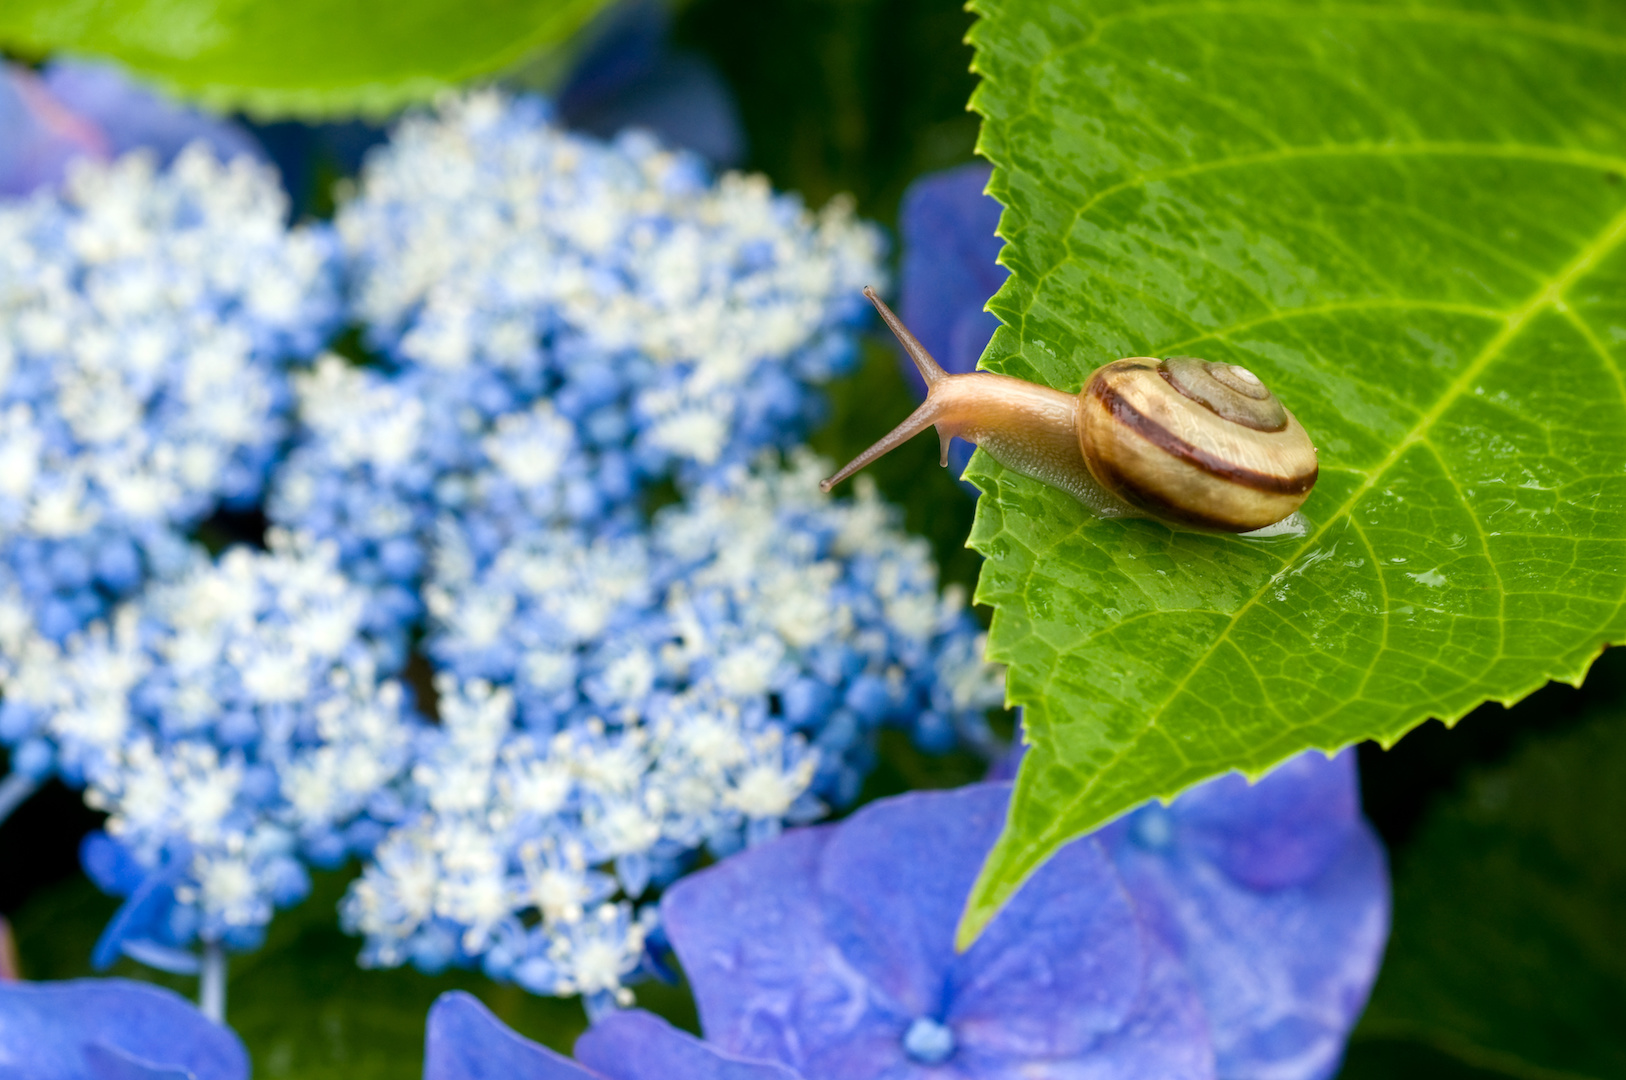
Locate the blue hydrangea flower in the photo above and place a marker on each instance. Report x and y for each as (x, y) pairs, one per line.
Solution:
(675, 324)
(464, 1041)
(142, 313)
(233, 723)
(386, 454)
(1276, 897)
(111, 1029)
(611, 705)
(501, 866)
(817, 613)
(831, 951)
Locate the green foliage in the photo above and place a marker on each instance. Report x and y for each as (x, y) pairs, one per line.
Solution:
(301, 1004)
(1408, 219)
(297, 57)
(1530, 976)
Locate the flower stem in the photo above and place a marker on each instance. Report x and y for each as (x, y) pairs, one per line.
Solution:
(14, 789)
(212, 982)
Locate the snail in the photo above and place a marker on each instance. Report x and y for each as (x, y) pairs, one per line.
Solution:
(1186, 441)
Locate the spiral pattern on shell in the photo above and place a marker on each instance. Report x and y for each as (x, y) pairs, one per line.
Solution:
(1194, 442)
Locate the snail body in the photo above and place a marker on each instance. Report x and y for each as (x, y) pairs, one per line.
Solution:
(1183, 440)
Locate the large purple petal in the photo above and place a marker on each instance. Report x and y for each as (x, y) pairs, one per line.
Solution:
(133, 116)
(1062, 965)
(637, 1045)
(830, 949)
(1055, 978)
(895, 877)
(947, 227)
(1283, 973)
(465, 1041)
(750, 934)
(48, 1030)
(1166, 1037)
(39, 135)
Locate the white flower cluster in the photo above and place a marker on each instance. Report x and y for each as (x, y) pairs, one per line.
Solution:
(483, 231)
(230, 723)
(141, 313)
(502, 863)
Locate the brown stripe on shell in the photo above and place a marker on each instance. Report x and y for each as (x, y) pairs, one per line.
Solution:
(1162, 508)
(1172, 444)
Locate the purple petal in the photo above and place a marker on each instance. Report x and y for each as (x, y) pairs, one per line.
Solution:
(134, 116)
(465, 1041)
(1283, 973)
(948, 273)
(1286, 828)
(895, 877)
(637, 1045)
(750, 934)
(39, 135)
(107, 1063)
(47, 1031)
(1059, 967)
(826, 949)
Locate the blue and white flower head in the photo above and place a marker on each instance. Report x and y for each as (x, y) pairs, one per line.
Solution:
(515, 827)
(485, 240)
(141, 316)
(808, 613)
(233, 723)
(672, 324)
(612, 705)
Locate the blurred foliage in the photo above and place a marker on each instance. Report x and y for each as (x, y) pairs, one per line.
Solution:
(856, 96)
(1509, 942)
(297, 57)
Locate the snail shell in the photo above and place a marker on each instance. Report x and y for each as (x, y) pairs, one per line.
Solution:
(1183, 440)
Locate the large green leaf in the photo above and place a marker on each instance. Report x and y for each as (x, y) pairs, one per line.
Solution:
(1408, 218)
(301, 57)
(1530, 976)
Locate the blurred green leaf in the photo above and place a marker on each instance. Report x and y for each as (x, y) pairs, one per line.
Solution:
(300, 1003)
(1408, 218)
(1509, 942)
(305, 58)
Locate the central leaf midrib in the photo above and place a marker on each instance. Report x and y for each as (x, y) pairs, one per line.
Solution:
(1610, 236)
